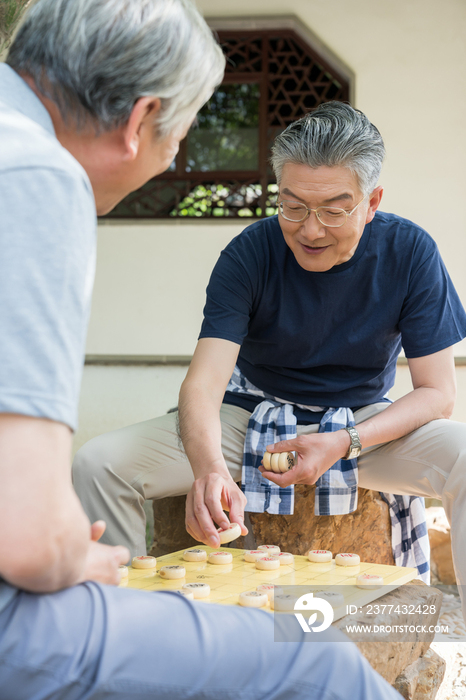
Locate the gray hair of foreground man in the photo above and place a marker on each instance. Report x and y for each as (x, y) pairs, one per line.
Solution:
(95, 58)
(334, 134)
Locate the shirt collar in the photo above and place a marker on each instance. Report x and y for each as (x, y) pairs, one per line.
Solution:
(16, 94)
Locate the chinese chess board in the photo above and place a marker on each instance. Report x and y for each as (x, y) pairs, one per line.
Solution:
(227, 581)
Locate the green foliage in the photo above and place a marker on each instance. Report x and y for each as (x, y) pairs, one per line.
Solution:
(226, 136)
(10, 14)
(232, 106)
(223, 201)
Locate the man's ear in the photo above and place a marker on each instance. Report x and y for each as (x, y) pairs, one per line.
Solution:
(374, 202)
(140, 125)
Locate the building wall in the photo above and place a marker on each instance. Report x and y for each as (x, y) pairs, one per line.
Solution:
(150, 285)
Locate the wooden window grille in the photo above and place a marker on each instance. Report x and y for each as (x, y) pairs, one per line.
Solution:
(222, 169)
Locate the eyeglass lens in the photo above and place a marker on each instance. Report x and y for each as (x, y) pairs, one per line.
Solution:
(329, 216)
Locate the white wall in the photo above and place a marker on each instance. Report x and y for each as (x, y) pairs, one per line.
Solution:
(150, 285)
(112, 397)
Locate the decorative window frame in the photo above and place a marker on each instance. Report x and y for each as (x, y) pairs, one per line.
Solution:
(226, 195)
(296, 25)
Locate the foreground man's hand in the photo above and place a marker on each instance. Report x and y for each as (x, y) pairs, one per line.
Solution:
(102, 560)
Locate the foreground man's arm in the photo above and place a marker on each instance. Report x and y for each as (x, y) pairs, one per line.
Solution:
(47, 541)
(433, 397)
(201, 398)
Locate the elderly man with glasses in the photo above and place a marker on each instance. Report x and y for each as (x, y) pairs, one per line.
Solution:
(306, 314)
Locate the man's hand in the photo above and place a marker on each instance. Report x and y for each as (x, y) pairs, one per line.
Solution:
(208, 498)
(201, 397)
(102, 560)
(433, 397)
(316, 452)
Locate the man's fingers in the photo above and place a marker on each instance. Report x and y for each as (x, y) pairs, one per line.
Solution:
(192, 526)
(191, 533)
(239, 519)
(206, 524)
(97, 530)
(237, 504)
(282, 480)
(213, 501)
(274, 478)
(121, 554)
(205, 507)
(282, 446)
(202, 513)
(190, 521)
(102, 563)
(244, 529)
(294, 476)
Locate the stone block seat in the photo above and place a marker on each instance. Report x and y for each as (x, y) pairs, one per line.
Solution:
(367, 531)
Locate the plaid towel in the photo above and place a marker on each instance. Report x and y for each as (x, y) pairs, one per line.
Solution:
(336, 490)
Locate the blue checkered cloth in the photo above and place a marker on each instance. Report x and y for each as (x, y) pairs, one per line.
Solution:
(336, 490)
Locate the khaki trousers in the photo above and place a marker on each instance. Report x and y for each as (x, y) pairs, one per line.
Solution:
(114, 474)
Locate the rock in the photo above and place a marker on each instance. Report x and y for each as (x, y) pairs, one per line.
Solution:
(169, 527)
(431, 673)
(454, 682)
(421, 680)
(435, 515)
(367, 531)
(441, 559)
(390, 656)
(406, 683)
(451, 615)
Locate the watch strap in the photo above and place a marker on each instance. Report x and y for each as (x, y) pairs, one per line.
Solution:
(355, 447)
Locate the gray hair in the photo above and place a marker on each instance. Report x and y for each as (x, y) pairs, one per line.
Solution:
(334, 134)
(95, 58)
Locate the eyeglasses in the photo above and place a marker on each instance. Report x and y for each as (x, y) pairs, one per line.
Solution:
(328, 216)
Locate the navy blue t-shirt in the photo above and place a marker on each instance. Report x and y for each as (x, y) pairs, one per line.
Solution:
(331, 338)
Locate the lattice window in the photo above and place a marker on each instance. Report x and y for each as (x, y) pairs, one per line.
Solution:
(272, 78)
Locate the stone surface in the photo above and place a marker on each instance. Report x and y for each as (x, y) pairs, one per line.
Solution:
(453, 686)
(169, 527)
(441, 560)
(451, 615)
(406, 683)
(421, 680)
(367, 531)
(389, 657)
(432, 672)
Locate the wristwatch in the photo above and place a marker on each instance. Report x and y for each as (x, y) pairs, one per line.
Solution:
(355, 447)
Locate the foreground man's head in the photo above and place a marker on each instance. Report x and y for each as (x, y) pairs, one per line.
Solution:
(122, 82)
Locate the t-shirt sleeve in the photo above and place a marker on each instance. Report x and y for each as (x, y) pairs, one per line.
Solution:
(432, 317)
(230, 296)
(47, 243)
